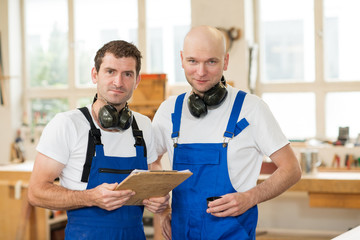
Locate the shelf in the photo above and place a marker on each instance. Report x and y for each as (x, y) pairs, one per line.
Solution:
(341, 169)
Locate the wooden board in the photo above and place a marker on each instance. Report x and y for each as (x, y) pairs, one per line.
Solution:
(334, 200)
(151, 184)
(150, 91)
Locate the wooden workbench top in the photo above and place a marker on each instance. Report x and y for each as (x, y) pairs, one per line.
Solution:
(329, 189)
(26, 166)
(326, 182)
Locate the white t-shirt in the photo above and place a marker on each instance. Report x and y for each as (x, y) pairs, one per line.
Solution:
(262, 137)
(65, 139)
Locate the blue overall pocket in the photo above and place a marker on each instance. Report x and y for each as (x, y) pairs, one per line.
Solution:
(109, 175)
(201, 162)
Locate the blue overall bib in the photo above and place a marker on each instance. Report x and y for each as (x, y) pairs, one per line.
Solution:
(208, 163)
(96, 223)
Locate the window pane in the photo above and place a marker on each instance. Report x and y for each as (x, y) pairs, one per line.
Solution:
(96, 23)
(287, 40)
(296, 115)
(341, 111)
(82, 102)
(43, 110)
(46, 25)
(341, 41)
(165, 37)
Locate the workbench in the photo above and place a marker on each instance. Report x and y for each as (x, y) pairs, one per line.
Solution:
(19, 220)
(328, 189)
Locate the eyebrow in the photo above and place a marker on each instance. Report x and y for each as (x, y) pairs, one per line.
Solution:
(109, 68)
(209, 59)
(129, 71)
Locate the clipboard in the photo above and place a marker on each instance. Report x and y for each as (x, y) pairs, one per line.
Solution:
(147, 184)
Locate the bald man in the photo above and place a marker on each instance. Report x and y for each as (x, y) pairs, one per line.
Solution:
(221, 134)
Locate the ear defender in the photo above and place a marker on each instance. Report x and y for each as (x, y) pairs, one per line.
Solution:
(196, 105)
(212, 97)
(110, 118)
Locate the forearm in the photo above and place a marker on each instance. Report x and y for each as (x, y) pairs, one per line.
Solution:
(286, 175)
(276, 184)
(156, 165)
(52, 196)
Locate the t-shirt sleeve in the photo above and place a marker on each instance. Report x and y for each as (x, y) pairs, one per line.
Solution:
(56, 138)
(161, 124)
(150, 146)
(266, 130)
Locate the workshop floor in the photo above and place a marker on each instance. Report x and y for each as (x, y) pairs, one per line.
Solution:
(277, 236)
(280, 237)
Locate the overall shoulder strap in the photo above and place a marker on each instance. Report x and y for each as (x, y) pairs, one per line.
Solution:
(93, 139)
(231, 127)
(138, 135)
(176, 115)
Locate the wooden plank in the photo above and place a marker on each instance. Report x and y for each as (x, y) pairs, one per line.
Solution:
(150, 88)
(330, 200)
(324, 185)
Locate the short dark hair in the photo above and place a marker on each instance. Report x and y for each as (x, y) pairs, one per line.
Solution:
(119, 48)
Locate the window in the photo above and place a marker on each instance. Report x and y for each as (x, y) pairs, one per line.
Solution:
(308, 65)
(99, 24)
(47, 43)
(287, 37)
(300, 123)
(62, 37)
(165, 35)
(341, 42)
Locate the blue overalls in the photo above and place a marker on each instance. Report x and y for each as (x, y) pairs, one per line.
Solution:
(96, 223)
(208, 163)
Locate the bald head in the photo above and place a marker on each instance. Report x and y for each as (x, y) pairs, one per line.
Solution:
(204, 58)
(205, 37)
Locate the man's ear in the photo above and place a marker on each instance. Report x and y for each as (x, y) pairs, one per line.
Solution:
(94, 75)
(138, 78)
(182, 59)
(226, 61)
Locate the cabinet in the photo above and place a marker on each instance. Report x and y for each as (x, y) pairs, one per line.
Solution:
(18, 219)
(149, 94)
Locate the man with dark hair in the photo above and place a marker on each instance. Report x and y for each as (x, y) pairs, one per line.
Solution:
(94, 148)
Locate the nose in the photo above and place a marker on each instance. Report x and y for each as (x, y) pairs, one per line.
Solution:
(117, 81)
(201, 69)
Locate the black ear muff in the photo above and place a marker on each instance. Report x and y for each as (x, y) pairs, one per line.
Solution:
(215, 95)
(125, 118)
(110, 118)
(196, 105)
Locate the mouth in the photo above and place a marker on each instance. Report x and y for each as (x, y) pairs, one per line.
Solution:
(201, 81)
(116, 91)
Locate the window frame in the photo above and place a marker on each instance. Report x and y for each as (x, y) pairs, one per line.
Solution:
(320, 87)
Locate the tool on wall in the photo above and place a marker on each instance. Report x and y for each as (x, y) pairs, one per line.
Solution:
(231, 35)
